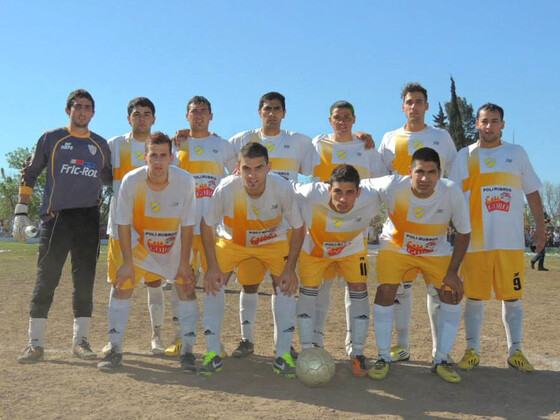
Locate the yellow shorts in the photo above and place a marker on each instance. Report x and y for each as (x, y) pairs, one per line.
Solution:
(393, 267)
(114, 259)
(271, 257)
(503, 270)
(312, 270)
(199, 255)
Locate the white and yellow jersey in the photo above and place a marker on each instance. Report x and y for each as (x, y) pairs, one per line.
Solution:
(330, 154)
(156, 218)
(252, 222)
(494, 182)
(331, 234)
(419, 226)
(398, 146)
(127, 154)
(289, 153)
(206, 159)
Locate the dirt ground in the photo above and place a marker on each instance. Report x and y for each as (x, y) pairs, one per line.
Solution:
(63, 387)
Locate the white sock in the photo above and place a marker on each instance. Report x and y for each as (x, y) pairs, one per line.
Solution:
(512, 316)
(403, 311)
(449, 318)
(432, 302)
(347, 303)
(156, 306)
(174, 305)
(36, 331)
(213, 308)
(322, 306)
(359, 316)
(383, 321)
(80, 330)
(248, 305)
(474, 315)
(119, 310)
(306, 306)
(284, 313)
(188, 319)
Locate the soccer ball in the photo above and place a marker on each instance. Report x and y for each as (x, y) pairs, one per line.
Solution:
(315, 367)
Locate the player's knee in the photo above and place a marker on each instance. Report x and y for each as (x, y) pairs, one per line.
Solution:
(357, 287)
(122, 294)
(385, 294)
(252, 288)
(156, 283)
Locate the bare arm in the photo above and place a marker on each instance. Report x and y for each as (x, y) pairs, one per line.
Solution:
(535, 204)
(366, 138)
(213, 278)
(288, 281)
(451, 279)
(185, 271)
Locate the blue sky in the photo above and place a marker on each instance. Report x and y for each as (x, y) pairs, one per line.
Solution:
(314, 52)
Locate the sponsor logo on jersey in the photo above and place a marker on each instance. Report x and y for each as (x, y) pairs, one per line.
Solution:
(139, 155)
(436, 143)
(155, 206)
(335, 248)
(257, 237)
(417, 249)
(341, 154)
(269, 147)
(498, 202)
(79, 167)
(255, 210)
(337, 221)
(67, 146)
(417, 144)
(490, 162)
(205, 189)
(92, 149)
(160, 242)
(286, 146)
(509, 160)
(418, 212)
(198, 150)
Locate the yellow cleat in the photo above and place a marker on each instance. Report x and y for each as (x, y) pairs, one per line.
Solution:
(519, 361)
(380, 370)
(399, 354)
(469, 360)
(174, 350)
(446, 372)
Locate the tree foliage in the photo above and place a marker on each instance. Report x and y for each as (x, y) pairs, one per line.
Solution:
(440, 119)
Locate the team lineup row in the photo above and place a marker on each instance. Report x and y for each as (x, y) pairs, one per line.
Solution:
(238, 223)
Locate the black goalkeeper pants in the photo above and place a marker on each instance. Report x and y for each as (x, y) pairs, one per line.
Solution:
(75, 231)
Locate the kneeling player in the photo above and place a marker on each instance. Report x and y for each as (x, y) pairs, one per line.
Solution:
(336, 216)
(420, 207)
(253, 206)
(155, 217)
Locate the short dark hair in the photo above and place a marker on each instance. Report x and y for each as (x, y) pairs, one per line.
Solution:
(159, 138)
(199, 100)
(414, 87)
(140, 101)
(426, 154)
(490, 107)
(253, 150)
(270, 96)
(345, 173)
(342, 104)
(79, 93)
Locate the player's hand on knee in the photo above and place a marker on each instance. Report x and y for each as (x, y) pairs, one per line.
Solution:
(213, 281)
(453, 285)
(124, 273)
(288, 282)
(186, 274)
(22, 227)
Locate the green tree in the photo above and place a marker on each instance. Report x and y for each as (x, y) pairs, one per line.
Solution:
(440, 119)
(455, 127)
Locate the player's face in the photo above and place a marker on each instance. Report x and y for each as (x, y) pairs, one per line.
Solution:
(343, 196)
(158, 159)
(490, 126)
(80, 113)
(141, 120)
(272, 114)
(199, 116)
(254, 172)
(342, 120)
(424, 178)
(415, 107)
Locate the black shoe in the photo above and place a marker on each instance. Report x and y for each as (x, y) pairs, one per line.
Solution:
(245, 348)
(188, 363)
(543, 269)
(533, 265)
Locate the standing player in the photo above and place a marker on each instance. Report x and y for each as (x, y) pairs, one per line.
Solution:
(396, 150)
(334, 149)
(420, 207)
(155, 218)
(495, 176)
(206, 157)
(128, 153)
(336, 215)
(253, 206)
(78, 162)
